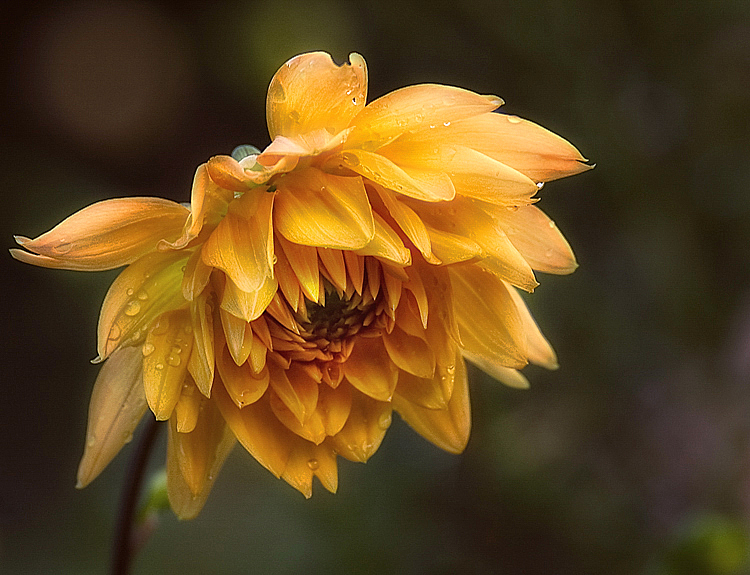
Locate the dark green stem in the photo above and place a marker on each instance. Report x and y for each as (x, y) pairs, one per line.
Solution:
(123, 548)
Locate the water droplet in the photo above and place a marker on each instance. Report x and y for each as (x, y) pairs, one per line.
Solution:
(419, 117)
(514, 119)
(274, 259)
(432, 125)
(548, 253)
(539, 185)
(63, 247)
(350, 159)
(91, 441)
(294, 115)
(446, 124)
(132, 308)
(384, 421)
(174, 360)
(142, 295)
(176, 350)
(313, 464)
(129, 291)
(114, 333)
(159, 366)
(552, 224)
(127, 437)
(450, 370)
(147, 349)
(354, 100)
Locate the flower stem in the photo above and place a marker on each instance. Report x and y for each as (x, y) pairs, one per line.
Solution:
(123, 548)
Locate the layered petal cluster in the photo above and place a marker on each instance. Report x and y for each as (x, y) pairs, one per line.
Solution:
(313, 288)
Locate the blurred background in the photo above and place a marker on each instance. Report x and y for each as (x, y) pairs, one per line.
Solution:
(633, 458)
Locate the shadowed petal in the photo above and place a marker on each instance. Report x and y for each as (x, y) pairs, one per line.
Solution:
(447, 428)
(363, 432)
(117, 405)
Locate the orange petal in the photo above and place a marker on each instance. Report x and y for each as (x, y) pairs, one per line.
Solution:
(243, 385)
(242, 244)
(447, 428)
(417, 184)
(166, 353)
(370, 370)
(228, 174)
(106, 235)
(194, 460)
(238, 335)
(196, 277)
(117, 405)
(334, 406)
(537, 238)
(415, 108)
(188, 407)
(311, 92)
(473, 174)
(424, 392)
(386, 244)
(409, 222)
(258, 430)
(307, 460)
(363, 432)
(248, 305)
(488, 319)
(318, 209)
(410, 353)
(145, 289)
(523, 145)
(304, 262)
(539, 350)
(311, 430)
(296, 389)
(333, 263)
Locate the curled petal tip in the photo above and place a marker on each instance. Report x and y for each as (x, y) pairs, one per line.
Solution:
(21, 240)
(495, 100)
(98, 359)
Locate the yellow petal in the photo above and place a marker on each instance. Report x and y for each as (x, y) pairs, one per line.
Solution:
(318, 209)
(488, 318)
(194, 460)
(523, 145)
(145, 289)
(238, 335)
(201, 364)
(196, 277)
(208, 204)
(258, 430)
(537, 238)
(410, 353)
(307, 460)
(296, 389)
(447, 428)
(311, 92)
(333, 264)
(540, 351)
(409, 222)
(248, 305)
(242, 244)
(188, 407)
(417, 184)
(106, 235)
(334, 406)
(311, 430)
(117, 405)
(304, 262)
(415, 108)
(507, 375)
(355, 267)
(363, 432)
(425, 392)
(240, 381)
(452, 248)
(370, 370)
(166, 352)
(473, 174)
(467, 219)
(386, 244)
(228, 174)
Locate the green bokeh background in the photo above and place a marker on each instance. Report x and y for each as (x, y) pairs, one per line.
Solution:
(633, 458)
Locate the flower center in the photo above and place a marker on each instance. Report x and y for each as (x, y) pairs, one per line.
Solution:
(338, 317)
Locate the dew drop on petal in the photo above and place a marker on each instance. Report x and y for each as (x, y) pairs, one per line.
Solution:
(552, 224)
(132, 308)
(114, 333)
(129, 291)
(539, 185)
(174, 360)
(514, 119)
(313, 464)
(148, 349)
(350, 159)
(384, 421)
(446, 124)
(159, 366)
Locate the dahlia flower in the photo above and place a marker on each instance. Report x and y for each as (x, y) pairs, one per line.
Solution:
(310, 290)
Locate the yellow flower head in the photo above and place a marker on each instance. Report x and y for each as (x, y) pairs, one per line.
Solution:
(311, 289)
